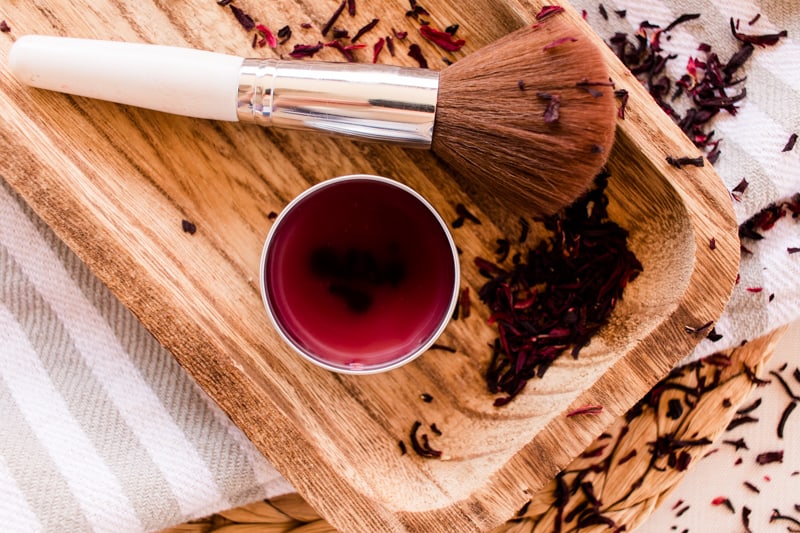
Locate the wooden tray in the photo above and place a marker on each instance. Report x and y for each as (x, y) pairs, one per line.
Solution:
(115, 184)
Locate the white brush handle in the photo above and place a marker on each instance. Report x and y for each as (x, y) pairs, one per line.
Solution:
(163, 78)
(369, 102)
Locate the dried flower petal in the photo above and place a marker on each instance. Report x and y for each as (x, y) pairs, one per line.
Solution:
(334, 17)
(722, 500)
(267, 37)
(770, 457)
(442, 39)
(760, 40)
(364, 29)
(415, 52)
(552, 111)
(548, 11)
(790, 143)
(305, 50)
(243, 18)
(284, 34)
(681, 19)
(4, 27)
(376, 49)
(188, 227)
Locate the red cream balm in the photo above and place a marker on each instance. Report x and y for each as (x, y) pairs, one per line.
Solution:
(360, 274)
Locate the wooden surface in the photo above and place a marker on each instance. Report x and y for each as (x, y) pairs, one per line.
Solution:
(115, 183)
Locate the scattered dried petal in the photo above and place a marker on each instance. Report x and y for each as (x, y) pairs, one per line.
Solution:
(376, 49)
(548, 11)
(784, 417)
(790, 143)
(770, 457)
(331, 21)
(722, 500)
(760, 40)
(4, 27)
(305, 50)
(442, 39)
(552, 111)
(188, 227)
(243, 18)
(364, 29)
(267, 38)
(415, 52)
(284, 34)
(681, 19)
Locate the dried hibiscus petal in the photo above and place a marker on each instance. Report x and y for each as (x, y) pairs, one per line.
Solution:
(267, 37)
(415, 52)
(243, 18)
(552, 111)
(790, 143)
(548, 11)
(364, 29)
(305, 50)
(770, 457)
(376, 49)
(760, 40)
(442, 39)
(334, 17)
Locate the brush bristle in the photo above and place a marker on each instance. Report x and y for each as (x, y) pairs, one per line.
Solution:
(490, 119)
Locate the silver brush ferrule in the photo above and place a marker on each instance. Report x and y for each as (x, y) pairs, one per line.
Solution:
(366, 102)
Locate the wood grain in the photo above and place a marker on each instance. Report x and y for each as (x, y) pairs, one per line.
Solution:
(115, 183)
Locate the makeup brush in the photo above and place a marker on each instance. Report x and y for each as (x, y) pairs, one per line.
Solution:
(528, 119)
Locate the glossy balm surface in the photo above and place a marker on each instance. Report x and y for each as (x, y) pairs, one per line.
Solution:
(360, 274)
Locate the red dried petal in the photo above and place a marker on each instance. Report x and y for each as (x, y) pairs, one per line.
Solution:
(441, 38)
(267, 37)
(769, 39)
(376, 49)
(548, 11)
(416, 52)
(364, 29)
(305, 50)
(243, 18)
(332, 20)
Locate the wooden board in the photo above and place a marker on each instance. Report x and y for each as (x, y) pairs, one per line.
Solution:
(115, 183)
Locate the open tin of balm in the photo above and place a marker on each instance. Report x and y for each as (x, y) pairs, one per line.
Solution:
(359, 274)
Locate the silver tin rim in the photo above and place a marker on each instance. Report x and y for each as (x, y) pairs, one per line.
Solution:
(365, 369)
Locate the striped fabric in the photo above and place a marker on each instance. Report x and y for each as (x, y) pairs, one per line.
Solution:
(752, 140)
(103, 431)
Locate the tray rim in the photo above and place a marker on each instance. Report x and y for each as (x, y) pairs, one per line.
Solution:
(508, 478)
